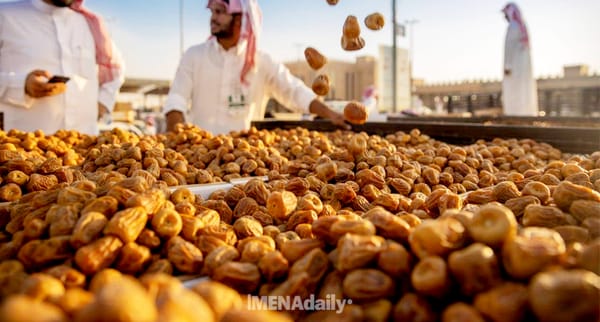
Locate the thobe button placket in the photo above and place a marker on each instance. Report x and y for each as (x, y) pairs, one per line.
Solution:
(226, 76)
(62, 31)
(62, 42)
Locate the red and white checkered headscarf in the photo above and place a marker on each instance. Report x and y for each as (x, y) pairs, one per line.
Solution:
(369, 92)
(514, 16)
(104, 53)
(250, 31)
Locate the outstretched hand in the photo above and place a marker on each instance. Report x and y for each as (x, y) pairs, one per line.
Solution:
(339, 120)
(322, 110)
(102, 110)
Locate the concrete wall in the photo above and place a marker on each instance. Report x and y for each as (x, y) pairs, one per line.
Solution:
(575, 94)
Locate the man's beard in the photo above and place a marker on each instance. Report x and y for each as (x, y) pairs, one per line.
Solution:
(226, 32)
(62, 3)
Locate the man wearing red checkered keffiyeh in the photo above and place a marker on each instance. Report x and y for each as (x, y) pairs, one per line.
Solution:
(45, 38)
(223, 84)
(251, 21)
(519, 88)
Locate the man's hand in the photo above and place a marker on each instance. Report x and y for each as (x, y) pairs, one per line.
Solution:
(36, 85)
(339, 120)
(174, 118)
(322, 110)
(102, 110)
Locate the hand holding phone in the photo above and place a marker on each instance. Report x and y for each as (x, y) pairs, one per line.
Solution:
(39, 83)
(58, 79)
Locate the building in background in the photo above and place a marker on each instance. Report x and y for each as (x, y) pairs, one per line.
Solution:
(385, 83)
(576, 93)
(139, 105)
(349, 80)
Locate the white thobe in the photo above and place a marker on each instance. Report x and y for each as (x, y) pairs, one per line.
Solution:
(519, 89)
(208, 81)
(35, 35)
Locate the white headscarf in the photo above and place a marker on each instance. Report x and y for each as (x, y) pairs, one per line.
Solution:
(514, 16)
(250, 31)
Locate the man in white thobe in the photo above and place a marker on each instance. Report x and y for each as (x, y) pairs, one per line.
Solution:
(42, 38)
(519, 88)
(228, 81)
(369, 99)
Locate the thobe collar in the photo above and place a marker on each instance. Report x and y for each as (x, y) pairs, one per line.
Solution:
(237, 50)
(48, 8)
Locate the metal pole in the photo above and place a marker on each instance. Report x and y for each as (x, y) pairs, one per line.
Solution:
(410, 23)
(181, 27)
(394, 68)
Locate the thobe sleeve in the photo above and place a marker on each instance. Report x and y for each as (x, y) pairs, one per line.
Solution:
(107, 94)
(287, 89)
(511, 47)
(180, 92)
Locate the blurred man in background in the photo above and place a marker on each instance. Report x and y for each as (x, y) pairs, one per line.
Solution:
(370, 98)
(228, 81)
(43, 38)
(519, 88)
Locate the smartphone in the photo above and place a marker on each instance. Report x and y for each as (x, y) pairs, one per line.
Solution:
(58, 79)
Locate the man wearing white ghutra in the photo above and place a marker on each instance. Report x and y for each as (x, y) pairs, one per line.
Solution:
(228, 81)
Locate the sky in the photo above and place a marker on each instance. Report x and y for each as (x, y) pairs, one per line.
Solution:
(452, 40)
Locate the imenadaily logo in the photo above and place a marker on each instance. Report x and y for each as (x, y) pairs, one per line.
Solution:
(296, 303)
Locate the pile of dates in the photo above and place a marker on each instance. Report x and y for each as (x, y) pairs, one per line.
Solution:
(402, 227)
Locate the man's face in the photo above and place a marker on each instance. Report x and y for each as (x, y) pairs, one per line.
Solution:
(62, 3)
(221, 23)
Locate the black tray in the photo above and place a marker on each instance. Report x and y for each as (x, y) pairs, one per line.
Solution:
(568, 139)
